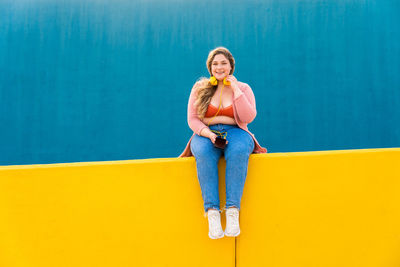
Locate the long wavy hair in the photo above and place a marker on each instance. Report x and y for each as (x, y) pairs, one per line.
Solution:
(205, 90)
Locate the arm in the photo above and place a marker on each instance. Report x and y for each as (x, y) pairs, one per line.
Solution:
(245, 103)
(192, 118)
(194, 122)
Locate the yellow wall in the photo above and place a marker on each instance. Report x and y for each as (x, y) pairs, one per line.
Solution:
(127, 213)
(333, 208)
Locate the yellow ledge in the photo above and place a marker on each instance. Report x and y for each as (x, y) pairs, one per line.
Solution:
(325, 208)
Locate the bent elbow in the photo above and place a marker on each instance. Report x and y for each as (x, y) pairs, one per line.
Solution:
(249, 117)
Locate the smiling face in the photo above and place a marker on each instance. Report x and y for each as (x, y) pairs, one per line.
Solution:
(220, 67)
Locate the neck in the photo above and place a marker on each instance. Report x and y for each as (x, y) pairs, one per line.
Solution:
(220, 86)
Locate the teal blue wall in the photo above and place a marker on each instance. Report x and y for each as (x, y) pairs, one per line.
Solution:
(110, 80)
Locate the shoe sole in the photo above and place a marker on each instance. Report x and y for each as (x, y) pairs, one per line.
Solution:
(232, 235)
(217, 237)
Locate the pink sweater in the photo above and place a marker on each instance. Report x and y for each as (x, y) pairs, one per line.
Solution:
(244, 110)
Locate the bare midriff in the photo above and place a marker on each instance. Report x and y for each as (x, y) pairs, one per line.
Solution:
(220, 119)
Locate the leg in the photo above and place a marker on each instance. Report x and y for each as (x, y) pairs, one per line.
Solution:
(207, 157)
(237, 154)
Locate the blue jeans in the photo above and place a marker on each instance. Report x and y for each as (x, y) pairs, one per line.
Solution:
(236, 152)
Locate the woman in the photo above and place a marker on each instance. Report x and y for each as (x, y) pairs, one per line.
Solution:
(220, 108)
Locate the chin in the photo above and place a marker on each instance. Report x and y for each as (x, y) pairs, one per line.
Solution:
(220, 78)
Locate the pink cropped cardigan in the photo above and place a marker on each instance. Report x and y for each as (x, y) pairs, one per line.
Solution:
(244, 110)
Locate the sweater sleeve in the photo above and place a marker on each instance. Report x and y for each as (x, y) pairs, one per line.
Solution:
(245, 104)
(193, 119)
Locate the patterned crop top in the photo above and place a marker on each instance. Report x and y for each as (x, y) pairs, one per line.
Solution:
(212, 110)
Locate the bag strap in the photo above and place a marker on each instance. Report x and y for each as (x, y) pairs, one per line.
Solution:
(219, 106)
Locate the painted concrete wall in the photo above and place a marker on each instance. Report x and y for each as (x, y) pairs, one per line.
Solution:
(328, 208)
(103, 80)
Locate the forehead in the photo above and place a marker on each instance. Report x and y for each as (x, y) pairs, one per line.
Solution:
(219, 57)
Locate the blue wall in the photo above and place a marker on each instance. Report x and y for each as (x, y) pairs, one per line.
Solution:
(110, 80)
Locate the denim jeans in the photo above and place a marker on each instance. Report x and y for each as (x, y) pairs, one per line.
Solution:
(236, 152)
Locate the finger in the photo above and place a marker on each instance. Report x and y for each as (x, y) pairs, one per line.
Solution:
(231, 79)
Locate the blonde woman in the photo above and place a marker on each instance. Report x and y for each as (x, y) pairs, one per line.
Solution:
(219, 110)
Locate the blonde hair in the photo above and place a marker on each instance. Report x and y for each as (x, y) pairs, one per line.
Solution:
(205, 90)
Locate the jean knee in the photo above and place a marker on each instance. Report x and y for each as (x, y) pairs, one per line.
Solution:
(240, 150)
(201, 147)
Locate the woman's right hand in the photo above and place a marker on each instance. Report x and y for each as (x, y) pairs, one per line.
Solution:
(212, 137)
(206, 132)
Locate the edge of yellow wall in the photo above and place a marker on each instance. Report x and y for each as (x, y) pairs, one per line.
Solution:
(166, 160)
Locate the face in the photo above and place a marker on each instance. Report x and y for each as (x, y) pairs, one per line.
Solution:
(220, 67)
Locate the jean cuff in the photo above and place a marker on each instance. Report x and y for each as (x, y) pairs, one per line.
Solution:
(215, 208)
(231, 206)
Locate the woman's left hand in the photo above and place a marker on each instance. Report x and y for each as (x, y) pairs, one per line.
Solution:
(233, 81)
(234, 85)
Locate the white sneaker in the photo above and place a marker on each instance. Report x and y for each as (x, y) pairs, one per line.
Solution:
(232, 222)
(214, 224)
